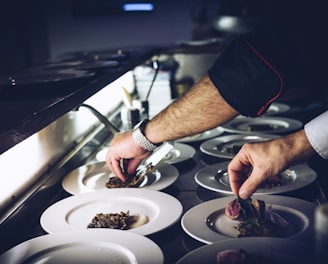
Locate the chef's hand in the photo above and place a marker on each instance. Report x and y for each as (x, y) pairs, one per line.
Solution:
(257, 163)
(124, 149)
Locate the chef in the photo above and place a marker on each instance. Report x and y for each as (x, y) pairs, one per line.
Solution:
(284, 58)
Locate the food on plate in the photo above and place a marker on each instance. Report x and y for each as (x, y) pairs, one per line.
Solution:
(120, 220)
(239, 209)
(114, 182)
(253, 218)
(229, 148)
(239, 256)
(131, 181)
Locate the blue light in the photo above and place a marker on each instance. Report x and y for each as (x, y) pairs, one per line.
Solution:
(138, 7)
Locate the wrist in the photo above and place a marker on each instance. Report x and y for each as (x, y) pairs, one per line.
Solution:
(138, 135)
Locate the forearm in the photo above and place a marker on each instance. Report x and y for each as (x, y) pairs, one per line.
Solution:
(200, 109)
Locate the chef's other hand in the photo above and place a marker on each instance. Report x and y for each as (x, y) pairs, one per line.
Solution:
(124, 155)
(257, 163)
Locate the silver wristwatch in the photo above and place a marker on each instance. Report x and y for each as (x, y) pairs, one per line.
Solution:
(139, 137)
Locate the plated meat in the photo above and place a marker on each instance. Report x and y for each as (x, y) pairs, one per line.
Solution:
(255, 220)
(239, 209)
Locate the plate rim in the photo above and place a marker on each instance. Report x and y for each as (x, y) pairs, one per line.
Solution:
(206, 149)
(210, 134)
(293, 125)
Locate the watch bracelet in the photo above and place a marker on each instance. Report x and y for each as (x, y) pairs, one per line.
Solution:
(140, 138)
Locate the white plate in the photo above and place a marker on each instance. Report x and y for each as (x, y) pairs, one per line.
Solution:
(294, 178)
(276, 109)
(180, 152)
(92, 177)
(87, 246)
(76, 212)
(203, 136)
(227, 146)
(296, 211)
(275, 250)
(278, 125)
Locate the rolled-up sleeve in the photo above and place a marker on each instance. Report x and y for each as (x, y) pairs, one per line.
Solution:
(317, 133)
(268, 63)
(245, 78)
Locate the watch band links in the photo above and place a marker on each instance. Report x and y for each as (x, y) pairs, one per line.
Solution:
(139, 137)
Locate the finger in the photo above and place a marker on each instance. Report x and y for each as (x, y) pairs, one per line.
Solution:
(249, 187)
(238, 172)
(125, 164)
(117, 169)
(237, 178)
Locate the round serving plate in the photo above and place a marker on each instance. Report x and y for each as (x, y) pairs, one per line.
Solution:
(86, 246)
(76, 212)
(208, 223)
(292, 179)
(94, 176)
(268, 249)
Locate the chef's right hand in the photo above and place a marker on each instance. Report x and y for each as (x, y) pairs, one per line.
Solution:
(125, 155)
(254, 165)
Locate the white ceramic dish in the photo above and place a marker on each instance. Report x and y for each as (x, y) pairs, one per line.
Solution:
(263, 125)
(195, 222)
(273, 250)
(226, 147)
(203, 136)
(93, 177)
(84, 247)
(76, 212)
(181, 152)
(294, 178)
